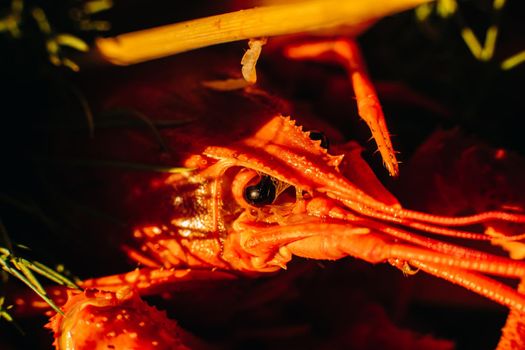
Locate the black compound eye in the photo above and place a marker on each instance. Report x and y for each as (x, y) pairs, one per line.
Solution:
(317, 135)
(262, 193)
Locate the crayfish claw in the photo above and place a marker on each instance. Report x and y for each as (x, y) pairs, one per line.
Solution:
(114, 320)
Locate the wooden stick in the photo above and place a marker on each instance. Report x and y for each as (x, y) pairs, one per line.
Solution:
(305, 16)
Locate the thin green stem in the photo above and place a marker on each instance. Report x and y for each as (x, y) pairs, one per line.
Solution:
(124, 165)
(51, 274)
(20, 265)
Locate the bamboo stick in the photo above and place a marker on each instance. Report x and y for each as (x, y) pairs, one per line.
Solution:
(306, 16)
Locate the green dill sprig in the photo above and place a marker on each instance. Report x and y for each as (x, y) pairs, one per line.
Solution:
(26, 270)
(55, 42)
(4, 314)
(23, 12)
(446, 9)
(11, 22)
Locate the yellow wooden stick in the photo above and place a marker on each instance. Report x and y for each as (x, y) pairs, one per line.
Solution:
(305, 16)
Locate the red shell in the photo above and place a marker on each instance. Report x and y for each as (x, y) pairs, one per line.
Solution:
(105, 320)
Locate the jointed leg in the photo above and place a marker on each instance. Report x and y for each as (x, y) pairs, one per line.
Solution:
(372, 248)
(334, 241)
(477, 283)
(145, 281)
(149, 281)
(513, 333)
(346, 52)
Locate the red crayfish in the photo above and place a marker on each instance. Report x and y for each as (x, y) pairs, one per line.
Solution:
(262, 189)
(261, 185)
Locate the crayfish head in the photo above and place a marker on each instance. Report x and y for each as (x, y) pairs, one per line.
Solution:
(283, 175)
(270, 177)
(280, 182)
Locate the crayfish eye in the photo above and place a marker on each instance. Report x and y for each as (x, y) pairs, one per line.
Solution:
(262, 193)
(317, 135)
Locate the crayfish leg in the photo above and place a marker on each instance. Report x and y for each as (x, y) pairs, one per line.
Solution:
(145, 281)
(148, 281)
(305, 241)
(513, 333)
(482, 285)
(346, 52)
